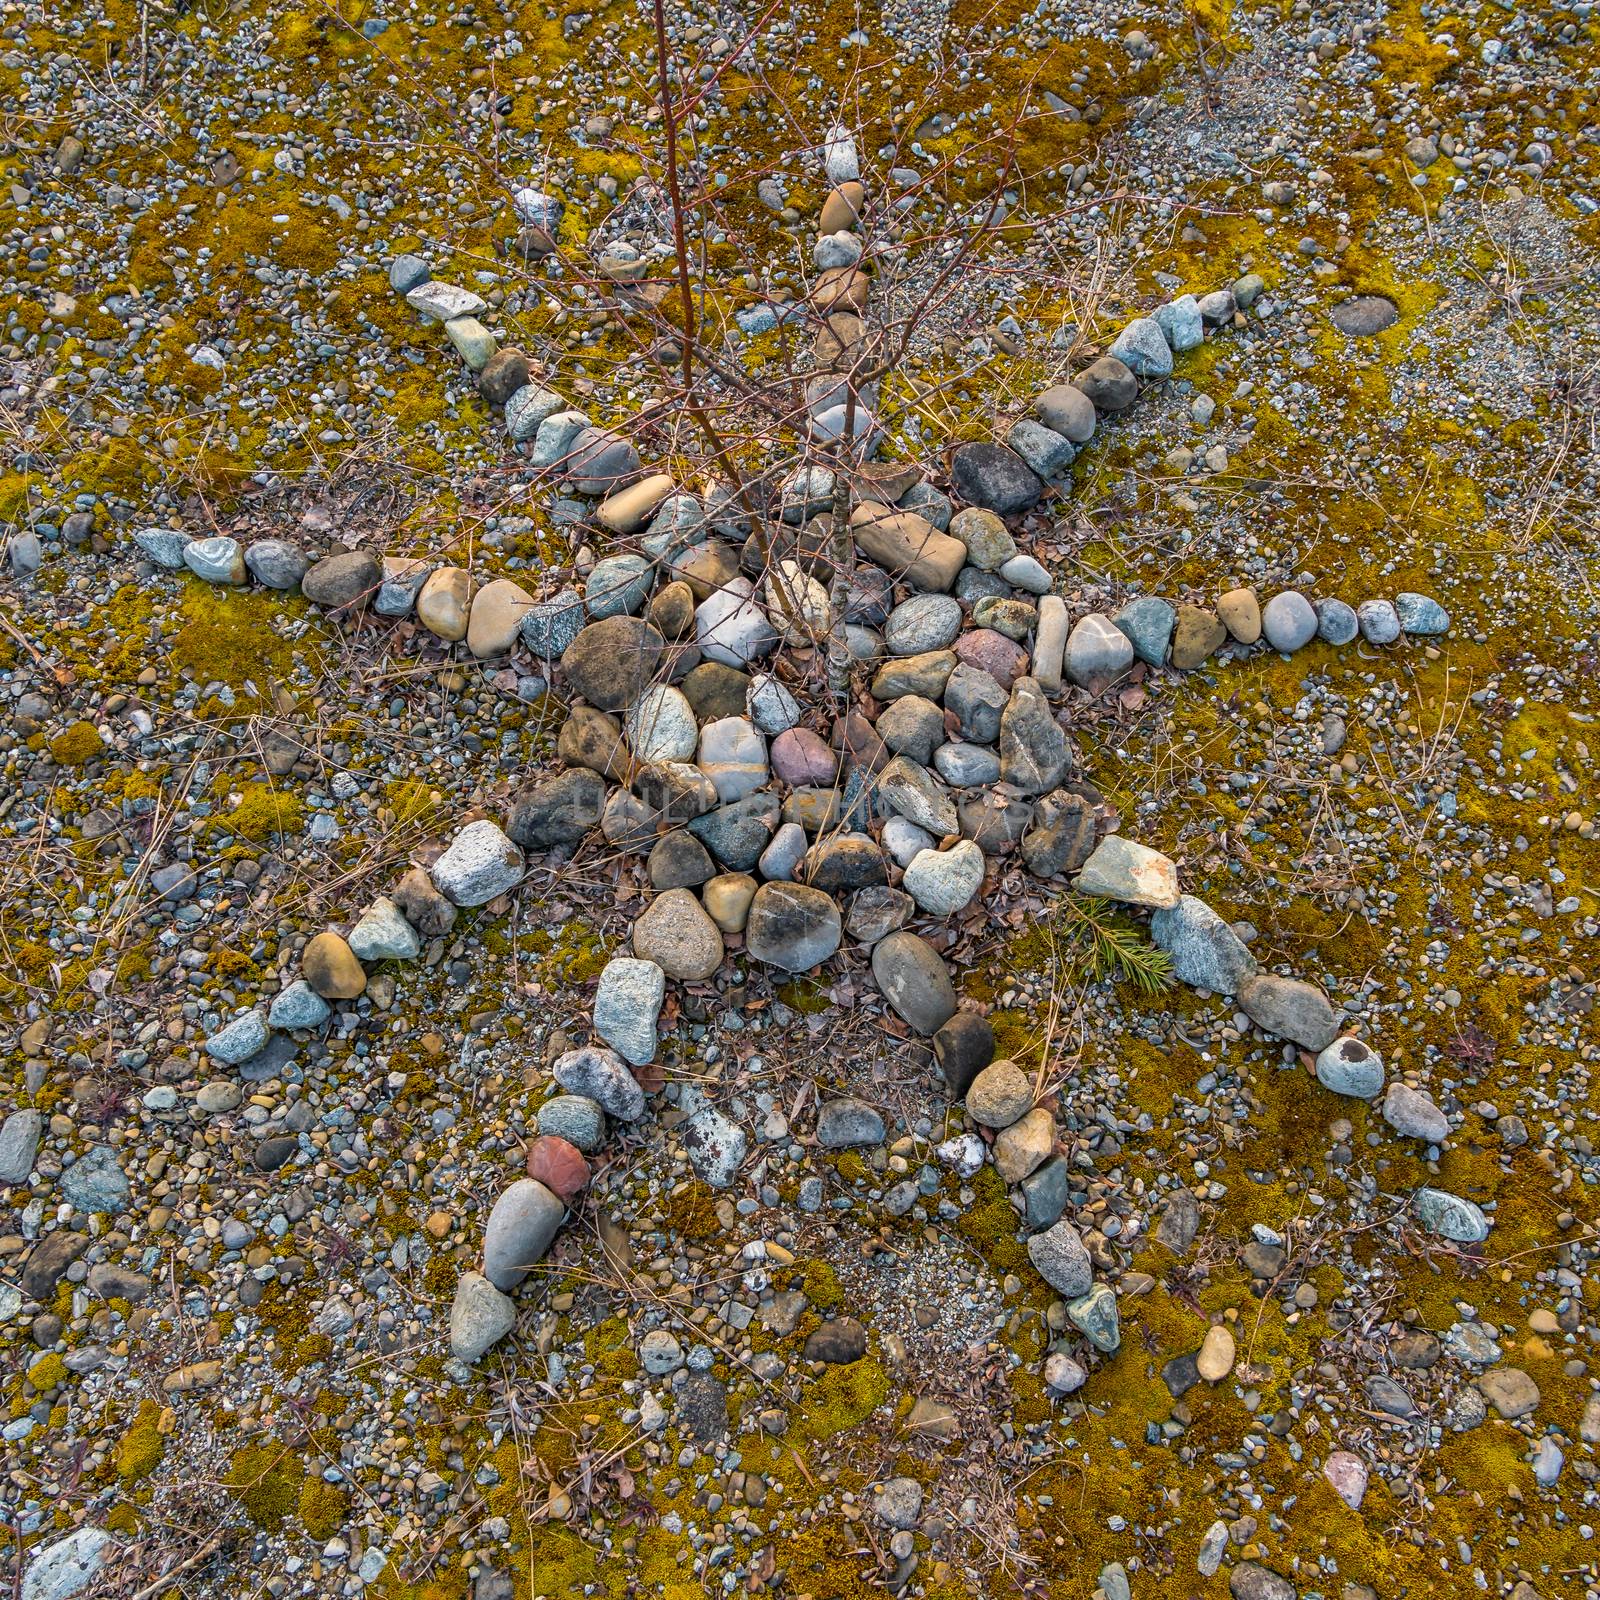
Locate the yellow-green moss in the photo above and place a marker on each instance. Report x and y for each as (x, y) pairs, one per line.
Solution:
(323, 1508)
(140, 1449)
(266, 1480)
(78, 744)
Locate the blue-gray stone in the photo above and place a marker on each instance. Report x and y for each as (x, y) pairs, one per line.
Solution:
(617, 585)
(19, 1145)
(217, 559)
(1143, 349)
(163, 546)
(298, 1006)
(1095, 1317)
(1042, 448)
(554, 441)
(276, 563)
(929, 503)
(1181, 323)
(1450, 1216)
(1349, 1067)
(240, 1040)
(549, 627)
(1288, 622)
(1420, 614)
(1205, 952)
(406, 272)
(575, 1118)
(678, 525)
(1044, 1193)
(1379, 622)
(737, 834)
(1148, 622)
(95, 1182)
(1337, 622)
(528, 409)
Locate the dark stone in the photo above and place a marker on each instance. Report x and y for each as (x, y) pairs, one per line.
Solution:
(1108, 383)
(1062, 837)
(675, 791)
(679, 861)
(1181, 1374)
(592, 738)
(843, 862)
(737, 834)
(869, 596)
(1263, 1260)
(915, 981)
(714, 690)
(273, 1153)
(1044, 1193)
(558, 810)
(993, 818)
(1364, 316)
(343, 582)
(838, 1341)
(611, 662)
(1180, 1221)
(503, 374)
(996, 477)
(48, 1260)
(421, 904)
(963, 1047)
(703, 1407)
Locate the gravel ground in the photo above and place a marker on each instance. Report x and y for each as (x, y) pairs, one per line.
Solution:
(226, 1290)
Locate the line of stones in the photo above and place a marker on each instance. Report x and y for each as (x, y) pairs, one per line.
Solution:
(483, 862)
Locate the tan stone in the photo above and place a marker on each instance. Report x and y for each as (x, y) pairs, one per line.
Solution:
(444, 603)
(841, 289)
(841, 211)
(1024, 1145)
(706, 567)
(1215, 1360)
(497, 612)
(329, 965)
(727, 900)
(839, 339)
(678, 935)
(1240, 611)
(672, 609)
(592, 738)
(1194, 636)
(628, 510)
(904, 543)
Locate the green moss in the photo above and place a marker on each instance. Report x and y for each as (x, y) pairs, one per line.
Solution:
(47, 1372)
(692, 1210)
(842, 1398)
(990, 1225)
(78, 744)
(227, 636)
(323, 1508)
(266, 1480)
(262, 811)
(140, 1449)
(821, 1285)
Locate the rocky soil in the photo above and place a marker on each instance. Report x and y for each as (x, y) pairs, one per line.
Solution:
(1000, 1007)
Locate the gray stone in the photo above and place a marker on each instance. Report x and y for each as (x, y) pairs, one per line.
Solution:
(977, 701)
(733, 755)
(1248, 1581)
(660, 1353)
(1218, 307)
(1450, 1216)
(600, 461)
(995, 477)
(731, 626)
(1288, 622)
(877, 911)
(715, 1146)
(1044, 1193)
(1122, 869)
(898, 1504)
(1098, 652)
(383, 934)
(915, 794)
(1062, 1375)
(771, 706)
(66, 1567)
(987, 539)
(1349, 1067)
(480, 1316)
(519, 1232)
(1061, 835)
(1148, 623)
(845, 1122)
(627, 1001)
(923, 623)
(1205, 952)
(473, 342)
(943, 881)
(1108, 384)
(1364, 315)
(19, 1145)
(1025, 573)
(1181, 323)
(575, 1118)
(479, 864)
(1034, 753)
(781, 859)
(217, 559)
(552, 624)
(792, 926)
(554, 440)
(1068, 411)
(618, 586)
(163, 546)
(1378, 621)
(1421, 615)
(677, 935)
(1289, 1008)
(912, 726)
(1413, 1114)
(903, 839)
(1337, 623)
(406, 272)
(276, 563)
(242, 1038)
(1058, 1256)
(442, 301)
(601, 1075)
(342, 582)
(94, 1182)
(298, 1006)
(1045, 450)
(915, 981)
(1094, 1315)
(1143, 349)
(964, 766)
(558, 810)
(529, 408)
(736, 835)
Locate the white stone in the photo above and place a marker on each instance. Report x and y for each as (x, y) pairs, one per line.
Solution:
(445, 300)
(660, 725)
(731, 627)
(480, 863)
(733, 755)
(383, 934)
(771, 706)
(797, 603)
(943, 881)
(67, 1566)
